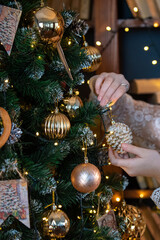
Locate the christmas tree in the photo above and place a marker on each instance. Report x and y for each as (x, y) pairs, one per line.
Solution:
(50, 132)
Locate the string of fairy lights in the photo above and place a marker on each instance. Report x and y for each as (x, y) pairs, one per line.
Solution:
(146, 48)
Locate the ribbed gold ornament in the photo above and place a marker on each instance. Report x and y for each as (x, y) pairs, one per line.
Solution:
(56, 125)
(133, 218)
(117, 134)
(95, 57)
(50, 24)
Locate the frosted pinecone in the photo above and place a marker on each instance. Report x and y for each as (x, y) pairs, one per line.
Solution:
(117, 134)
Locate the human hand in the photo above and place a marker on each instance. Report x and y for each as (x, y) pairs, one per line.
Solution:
(110, 87)
(145, 163)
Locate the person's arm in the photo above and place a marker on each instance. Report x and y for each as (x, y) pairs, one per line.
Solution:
(145, 163)
(141, 117)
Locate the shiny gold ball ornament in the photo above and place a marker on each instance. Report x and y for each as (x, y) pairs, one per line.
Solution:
(55, 224)
(134, 220)
(73, 104)
(95, 57)
(117, 134)
(50, 24)
(56, 125)
(85, 177)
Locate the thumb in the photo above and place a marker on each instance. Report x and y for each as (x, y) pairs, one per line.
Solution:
(133, 149)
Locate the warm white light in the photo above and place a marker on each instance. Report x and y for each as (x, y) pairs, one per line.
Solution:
(98, 43)
(154, 62)
(77, 93)
(37, 134)
(118, 199)
(69, 42)
(59, 206)
(56, 144)
(146, 48)
(135, 9)
(88, 82)
(83, 149)
(95, 135)
(107, 177)
(94, 231)
(126, 29)
(108, 28)
(6, 80)
(156, 24)
(26, 173)
(103, 145)
(141, 195)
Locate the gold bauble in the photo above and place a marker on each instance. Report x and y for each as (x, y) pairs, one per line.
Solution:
(85, 177)
(50, 24)
(55, 224)
(95, 58)
(135, 223)
(117, 134)
(73, 104)
(56, 125)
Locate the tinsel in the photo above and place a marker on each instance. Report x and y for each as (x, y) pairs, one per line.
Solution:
(36, 205)
(4, 85)
(15, 134)
(13, 235)
(36, 73)
(106, 197)
(64, 146)
(125, 182)
(47, 185)
(79, 28)
(86, 135)
(68, 17)
(55, 94)
(8, 166)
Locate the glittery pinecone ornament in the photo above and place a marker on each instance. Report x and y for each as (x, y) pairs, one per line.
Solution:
(117, 134)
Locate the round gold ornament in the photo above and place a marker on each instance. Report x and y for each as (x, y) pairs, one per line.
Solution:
(85, 177)
(95, 57)
(50, 24)
(56, 125)
(117, 134)
(73, 104)
(133, 218)
(55, 224)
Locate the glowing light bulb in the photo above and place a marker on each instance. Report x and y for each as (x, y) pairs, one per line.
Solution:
(26, 173)
(95, 135)
(108, 28)
(98, 43)
(107, 177)
(126, 29)
(103, 145)
(69, 42)
(146, 48)
(83, 149)
(135, 9)
(77, 93)
(156, 24)
(118, 199)
(59, 206)
(154, 62)
(141, 195)
(6, 80)
(39, 57)
(37, 134)
(56, 144)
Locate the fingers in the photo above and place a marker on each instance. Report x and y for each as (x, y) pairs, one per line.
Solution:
(133, 149)
(109, 91)
(99, 82)
(110, 87)
(116, 160)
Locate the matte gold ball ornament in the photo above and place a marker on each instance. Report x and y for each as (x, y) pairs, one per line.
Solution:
(95, 58)
(117, 134)
(50, 24)
(56, 125)
(85, 177)
(55, 223)
(134, 220)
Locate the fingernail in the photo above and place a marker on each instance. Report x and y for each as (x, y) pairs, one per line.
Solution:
(99, 98)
